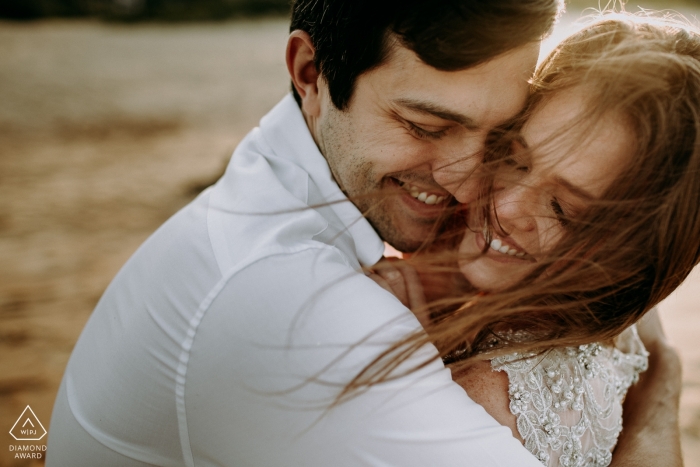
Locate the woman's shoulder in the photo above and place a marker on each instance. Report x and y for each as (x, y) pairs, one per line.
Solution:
(489, 389)
(568, 401)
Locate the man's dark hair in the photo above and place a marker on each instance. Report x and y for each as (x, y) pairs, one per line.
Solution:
(353, 36)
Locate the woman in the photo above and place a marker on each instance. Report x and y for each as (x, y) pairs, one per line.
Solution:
(593, 218)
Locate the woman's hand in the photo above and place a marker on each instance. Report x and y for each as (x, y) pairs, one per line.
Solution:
(402, 280)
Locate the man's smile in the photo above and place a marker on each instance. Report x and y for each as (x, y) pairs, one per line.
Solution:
(425, 203)
(424, 196)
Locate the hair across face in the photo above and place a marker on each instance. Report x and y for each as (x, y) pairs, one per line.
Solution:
(550, 175)
(630, 245)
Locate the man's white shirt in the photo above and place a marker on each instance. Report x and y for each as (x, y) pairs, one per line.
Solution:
(227, 336)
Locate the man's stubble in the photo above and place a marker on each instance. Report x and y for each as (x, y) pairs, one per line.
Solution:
(341, 145)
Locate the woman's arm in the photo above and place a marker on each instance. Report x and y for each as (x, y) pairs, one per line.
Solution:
(651, 433)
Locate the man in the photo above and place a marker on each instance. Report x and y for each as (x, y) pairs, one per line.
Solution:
(228, 336)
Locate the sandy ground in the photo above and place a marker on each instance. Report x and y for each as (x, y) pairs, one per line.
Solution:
(105, 131)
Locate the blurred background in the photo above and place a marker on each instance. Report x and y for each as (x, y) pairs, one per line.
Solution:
(116, 113)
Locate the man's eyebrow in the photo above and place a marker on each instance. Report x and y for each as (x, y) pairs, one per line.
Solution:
(576, 190)
(437, 111)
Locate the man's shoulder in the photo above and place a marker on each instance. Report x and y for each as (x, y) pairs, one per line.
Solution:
(309, 271)
(311, 294)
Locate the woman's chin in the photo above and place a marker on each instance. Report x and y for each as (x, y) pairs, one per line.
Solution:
(485, 278)
(482, 273)
(479, 278)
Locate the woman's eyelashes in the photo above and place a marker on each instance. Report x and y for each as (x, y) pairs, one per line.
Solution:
(559, 213)
(510, 161)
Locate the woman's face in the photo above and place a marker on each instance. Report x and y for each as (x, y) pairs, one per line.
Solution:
(554, 172)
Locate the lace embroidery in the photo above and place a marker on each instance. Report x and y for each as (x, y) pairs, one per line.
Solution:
(568, 402)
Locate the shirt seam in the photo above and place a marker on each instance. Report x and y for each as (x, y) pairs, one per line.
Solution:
(205, 304)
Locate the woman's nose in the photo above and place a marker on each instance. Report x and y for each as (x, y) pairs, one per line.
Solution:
(515, 207)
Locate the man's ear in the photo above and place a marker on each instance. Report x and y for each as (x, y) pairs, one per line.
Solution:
(305, 76)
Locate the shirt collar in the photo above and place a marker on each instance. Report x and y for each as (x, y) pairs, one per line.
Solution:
(285, 130)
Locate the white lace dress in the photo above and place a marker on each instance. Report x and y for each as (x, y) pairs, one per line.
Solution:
(568, 402)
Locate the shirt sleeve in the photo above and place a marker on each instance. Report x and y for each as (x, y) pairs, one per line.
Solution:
(277, 344)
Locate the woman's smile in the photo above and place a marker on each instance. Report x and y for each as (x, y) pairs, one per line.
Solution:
(502, 250)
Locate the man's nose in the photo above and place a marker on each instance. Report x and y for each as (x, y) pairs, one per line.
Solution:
(461, 171)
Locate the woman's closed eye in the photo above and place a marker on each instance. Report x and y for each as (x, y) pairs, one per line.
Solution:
(512, 162)
(562, 217)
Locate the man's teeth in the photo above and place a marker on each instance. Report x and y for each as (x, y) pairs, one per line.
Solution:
(501, 247)
(422, 195)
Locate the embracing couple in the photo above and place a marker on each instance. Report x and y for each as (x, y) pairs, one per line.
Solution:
(543, 212)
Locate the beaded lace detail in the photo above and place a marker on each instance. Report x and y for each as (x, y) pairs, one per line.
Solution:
(568, 402)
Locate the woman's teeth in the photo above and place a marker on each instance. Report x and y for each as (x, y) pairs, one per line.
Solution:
(422, 195)
(501, 247)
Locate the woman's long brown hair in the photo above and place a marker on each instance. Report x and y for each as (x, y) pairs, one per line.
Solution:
(628, 250)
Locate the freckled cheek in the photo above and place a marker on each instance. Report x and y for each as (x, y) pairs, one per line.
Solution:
(550, 233)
